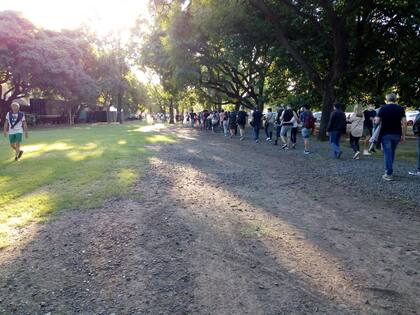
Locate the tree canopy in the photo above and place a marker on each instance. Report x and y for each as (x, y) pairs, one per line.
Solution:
(253, 52)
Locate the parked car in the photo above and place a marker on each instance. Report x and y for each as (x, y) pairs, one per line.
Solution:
(411, 116)
(317, 116)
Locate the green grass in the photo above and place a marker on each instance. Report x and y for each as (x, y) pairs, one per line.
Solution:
(405, 152)
(70, 168)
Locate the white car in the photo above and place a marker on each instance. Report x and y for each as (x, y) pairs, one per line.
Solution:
(411, 116)
(317, 116)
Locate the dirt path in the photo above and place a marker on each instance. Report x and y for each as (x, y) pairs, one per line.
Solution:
(214, 228)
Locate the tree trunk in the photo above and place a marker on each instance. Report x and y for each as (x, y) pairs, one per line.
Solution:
(171, 111)
(327, 107)
(119, 108)
(4, 108)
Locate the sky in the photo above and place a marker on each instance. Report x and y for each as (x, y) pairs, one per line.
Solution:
(102, 16)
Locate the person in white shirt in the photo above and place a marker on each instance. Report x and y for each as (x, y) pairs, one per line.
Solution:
(14, 126)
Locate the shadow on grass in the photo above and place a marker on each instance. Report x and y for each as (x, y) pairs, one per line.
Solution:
(70, 169)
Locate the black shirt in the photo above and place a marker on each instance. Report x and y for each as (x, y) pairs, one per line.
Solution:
(338, 122)
(256, 117)
(242, 117)
(391, 116)
(369, 115)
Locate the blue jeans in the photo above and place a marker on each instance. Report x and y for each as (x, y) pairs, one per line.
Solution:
(257, 132)
(335, 142)
(389, 144)
(418, 153)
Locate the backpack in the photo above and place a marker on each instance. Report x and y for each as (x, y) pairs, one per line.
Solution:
(309, 121)
(287, 117)
(416, 125)
(18, 119)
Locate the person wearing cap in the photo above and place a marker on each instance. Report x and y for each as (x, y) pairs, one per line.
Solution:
(14, 126)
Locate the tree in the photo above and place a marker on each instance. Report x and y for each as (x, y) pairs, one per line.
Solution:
(36, 59)
(331, 40)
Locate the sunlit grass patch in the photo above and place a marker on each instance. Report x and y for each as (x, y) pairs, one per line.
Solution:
(256, 229)
(71, 168)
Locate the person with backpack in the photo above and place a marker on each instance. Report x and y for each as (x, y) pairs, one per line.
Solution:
(308, 121)
(416, 130)
(14, 126)
(288, 117)
(256, 123)
(241, 120)
(393, 129)
(270, 119)
(356, 119)
(337, 125)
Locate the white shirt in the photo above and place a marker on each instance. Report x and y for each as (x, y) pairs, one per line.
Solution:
(19, 126)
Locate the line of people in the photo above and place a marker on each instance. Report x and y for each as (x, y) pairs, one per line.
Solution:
(384, 128)
(282, 125)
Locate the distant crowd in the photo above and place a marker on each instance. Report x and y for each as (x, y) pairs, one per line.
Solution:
(379, 129)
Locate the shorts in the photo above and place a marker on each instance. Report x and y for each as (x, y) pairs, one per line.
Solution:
(241, 126)
(15, 138)
(306, 133)
(367, 132)
(286, 130)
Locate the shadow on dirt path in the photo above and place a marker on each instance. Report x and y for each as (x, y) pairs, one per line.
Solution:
(213, 228)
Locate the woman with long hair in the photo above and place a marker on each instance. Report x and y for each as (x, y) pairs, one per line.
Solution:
(356, 129)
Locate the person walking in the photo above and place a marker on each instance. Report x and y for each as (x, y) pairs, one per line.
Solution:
(416, 130)
(256, 123)
(15, 126)
(356, 119)
(241, 120)
(232, 122)
(308, 125)
(215, 121)
(277, 123)
(225, 123)
(369, 115)
(393, 129)
(192, 118)
(288, 117)
(295, 127)
(337, 125)
(270, 119)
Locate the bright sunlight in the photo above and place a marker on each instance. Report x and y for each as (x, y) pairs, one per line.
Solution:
(101, 16)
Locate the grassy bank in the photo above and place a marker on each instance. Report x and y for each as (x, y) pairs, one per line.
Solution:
(70, 168)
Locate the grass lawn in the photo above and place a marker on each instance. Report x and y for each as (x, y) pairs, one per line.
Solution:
(69, 168)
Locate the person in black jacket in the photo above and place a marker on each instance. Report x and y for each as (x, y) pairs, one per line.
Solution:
(336, 126)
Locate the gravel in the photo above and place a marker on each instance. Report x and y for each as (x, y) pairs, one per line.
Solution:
(362, 176)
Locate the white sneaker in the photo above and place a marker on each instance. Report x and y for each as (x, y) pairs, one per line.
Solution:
(415, 173)
(366, 152)
(268, 139)
(387, 177)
